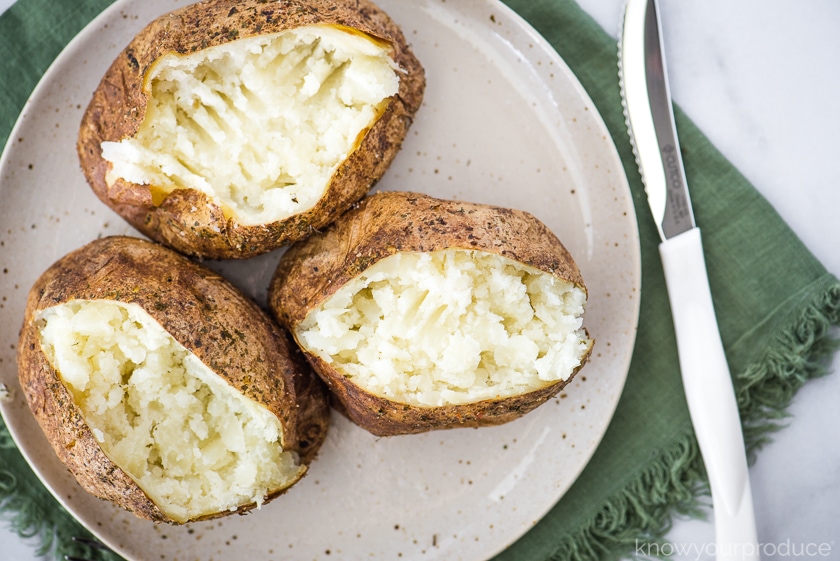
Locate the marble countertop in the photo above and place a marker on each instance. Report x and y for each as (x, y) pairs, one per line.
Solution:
(760, 78)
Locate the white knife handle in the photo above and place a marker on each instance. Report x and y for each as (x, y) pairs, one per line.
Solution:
(710, 395)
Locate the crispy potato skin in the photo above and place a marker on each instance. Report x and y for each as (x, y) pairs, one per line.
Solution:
(389, 222)
(187, 220)
(203, 312)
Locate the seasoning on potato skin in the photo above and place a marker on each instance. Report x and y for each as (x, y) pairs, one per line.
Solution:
(188, 220)
(202, 312)
(386, 223)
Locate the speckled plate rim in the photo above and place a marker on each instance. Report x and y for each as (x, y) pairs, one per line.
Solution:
(513, 491)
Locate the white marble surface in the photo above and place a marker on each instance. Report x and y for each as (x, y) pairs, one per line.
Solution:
(760, 78)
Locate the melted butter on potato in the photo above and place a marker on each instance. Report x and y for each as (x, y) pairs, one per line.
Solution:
(188, 439)
(259, 124)
(450, 327)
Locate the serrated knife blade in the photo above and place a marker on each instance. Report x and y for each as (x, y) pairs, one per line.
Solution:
(705, 372)
(650, 119)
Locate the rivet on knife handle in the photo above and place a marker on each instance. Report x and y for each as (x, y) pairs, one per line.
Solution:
(705, 372)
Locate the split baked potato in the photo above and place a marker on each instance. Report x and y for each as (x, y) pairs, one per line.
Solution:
(162, 388)
(229, 128)
(422, 314)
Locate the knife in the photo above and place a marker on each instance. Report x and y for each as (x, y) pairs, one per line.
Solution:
(705, 372)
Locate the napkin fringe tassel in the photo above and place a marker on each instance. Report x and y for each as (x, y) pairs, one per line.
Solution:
(802, 353)
(634, 522)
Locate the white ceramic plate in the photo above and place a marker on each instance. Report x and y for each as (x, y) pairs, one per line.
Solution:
(504, 122)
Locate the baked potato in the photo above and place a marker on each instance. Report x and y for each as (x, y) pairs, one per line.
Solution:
(229, 128)
(162, 388)
(423, 314)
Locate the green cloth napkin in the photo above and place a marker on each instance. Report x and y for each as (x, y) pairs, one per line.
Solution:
(776, 305)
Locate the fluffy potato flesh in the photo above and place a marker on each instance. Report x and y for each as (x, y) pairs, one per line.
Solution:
(450, 327)
(188, 439)
(258, 124)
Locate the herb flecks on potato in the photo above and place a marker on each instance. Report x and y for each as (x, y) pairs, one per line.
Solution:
(227, 129)
(422, 313)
